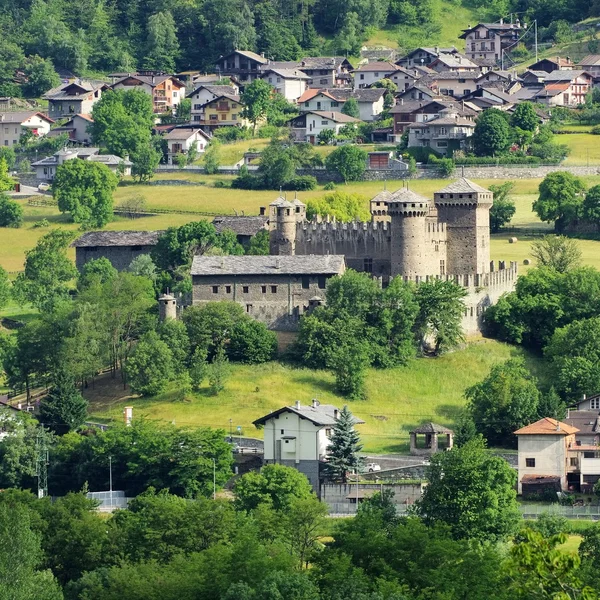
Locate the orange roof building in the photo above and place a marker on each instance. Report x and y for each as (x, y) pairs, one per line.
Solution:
(547, 426)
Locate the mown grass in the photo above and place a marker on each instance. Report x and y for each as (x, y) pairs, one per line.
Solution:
(585, 148)
(398, 399)
(231, 153)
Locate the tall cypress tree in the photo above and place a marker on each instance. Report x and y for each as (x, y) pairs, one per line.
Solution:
(344, 448)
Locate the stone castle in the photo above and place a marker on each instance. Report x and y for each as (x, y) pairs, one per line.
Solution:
(408, 236)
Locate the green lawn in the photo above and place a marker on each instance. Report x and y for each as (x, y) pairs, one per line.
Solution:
(233, 152)
(585, 148)
(398, 399)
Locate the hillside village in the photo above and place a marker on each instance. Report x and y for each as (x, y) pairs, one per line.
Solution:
(284, 314)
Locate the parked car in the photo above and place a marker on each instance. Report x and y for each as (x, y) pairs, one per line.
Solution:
(43, 187)
(373, 467)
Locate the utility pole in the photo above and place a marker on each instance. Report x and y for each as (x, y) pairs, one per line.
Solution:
(41, 462)
(536, 40)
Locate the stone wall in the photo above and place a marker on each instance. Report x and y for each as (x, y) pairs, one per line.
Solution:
(119, 256)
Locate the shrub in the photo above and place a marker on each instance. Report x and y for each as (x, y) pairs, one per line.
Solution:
(11, 212)
(247, 182)
(221, 184)
(42, 223)
(302, 183)
(329, 186)
(232, 134)
(595, 130)
(422, 155)
(251, 342)
(446, 166)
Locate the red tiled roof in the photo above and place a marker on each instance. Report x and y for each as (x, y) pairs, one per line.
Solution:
(547, 426)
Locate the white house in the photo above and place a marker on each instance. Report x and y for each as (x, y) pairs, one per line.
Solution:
(290, 83)
(298, 436)
(45, 169)
(14, 124)
(307, 126)
(206, 93)
(180, 140)
(453, 62)
(370, 101)
(368, 74)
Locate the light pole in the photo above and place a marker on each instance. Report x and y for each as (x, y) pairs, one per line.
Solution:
(231, 431)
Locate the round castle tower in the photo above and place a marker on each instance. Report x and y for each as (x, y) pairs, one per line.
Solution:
(283, 218)
(465, 208)
(167, 307)
(409, 251)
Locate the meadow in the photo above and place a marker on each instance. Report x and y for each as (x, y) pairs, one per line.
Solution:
(428, 389)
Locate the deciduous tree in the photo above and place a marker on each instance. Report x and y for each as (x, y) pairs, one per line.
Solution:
(149, 367)
(560, 199)
(557, 252)
(503, 209)
(492, 133)
(256, 98)
(349, 161)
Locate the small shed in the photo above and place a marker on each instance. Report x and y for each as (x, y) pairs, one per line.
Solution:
(425, 440)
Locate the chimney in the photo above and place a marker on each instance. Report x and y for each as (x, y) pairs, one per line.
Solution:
(315, 403)
(335, 413)
(297, 404)
(501, 21)
(557, 425)
(153, 79)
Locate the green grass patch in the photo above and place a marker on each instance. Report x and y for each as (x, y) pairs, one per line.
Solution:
(398, 399)
(585, 148)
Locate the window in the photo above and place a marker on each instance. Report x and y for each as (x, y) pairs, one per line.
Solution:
(307, 104)
(595, 403)
(245, 289)
(263, 289)
(214, 117)
(368, 265)
(228, 289)
(437, 247)
(324, 122)
(248, 308)
(328, 432)
(196, 117)
(305, 283)
(223, 117)
(215, 289)
(174, 93)
(318, 106)
(530, 462)
(573, 462)
(322, 282)
(45, 170)
(335, 104)
(362, 76)
(323, 81)
(282, 431)
(442, 267)
(197, 106)
(273, 289)
(234, 117)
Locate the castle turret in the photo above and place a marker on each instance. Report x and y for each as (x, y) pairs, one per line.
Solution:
(283, 217)
(167, 307)
(409, 251)
(379, 207)
(465, 208)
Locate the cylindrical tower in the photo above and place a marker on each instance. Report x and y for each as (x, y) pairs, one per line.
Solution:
(167, 307)
(409, 250)
(283, 217)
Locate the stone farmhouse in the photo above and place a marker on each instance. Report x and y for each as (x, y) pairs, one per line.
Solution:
(74, 98)
(14, 124)
(298, 436)
(119, 247)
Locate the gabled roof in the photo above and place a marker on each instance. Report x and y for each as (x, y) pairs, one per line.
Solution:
(450, 75)
(287, 73)
(117, 238)
(407, 195)
(552, 89)
(431, 428)
(336, 117)
(240, 225)
(80, 86)
(440, 120)
(342, 94)
(454, 61)
(547, 426)
(319, 414)
(215, 90)
(591, 60)
(556, 60)
(382, 66)
(323, 62)
(151, 80)
(435, 51)
(184, 133)
(21, 116)
(248, 54)
(498, 27)
(565, 74)
(331, 264)
(586, 421)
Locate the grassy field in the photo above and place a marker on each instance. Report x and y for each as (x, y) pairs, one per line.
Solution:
(231, 153)
(585, 148)
(398, 399)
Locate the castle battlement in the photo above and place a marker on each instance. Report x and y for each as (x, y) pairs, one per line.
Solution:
(333, 225)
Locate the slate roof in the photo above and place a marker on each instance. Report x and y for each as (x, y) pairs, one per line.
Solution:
(451, 75)
(87, 86)
(320, 414)
(455, 60)
(586, 421)
(547, 426)
(342, 94)
(216, 90)
(380, 66)
(117, 238)
(407, 195)
(247, 54)
(443, 121)
(183, 133)
(22, 115)
(268, 265)
(591, 60)
(500, 27)
(321, 62)
(461, 186)
(151, 80)
(240, 225)
(110, 159)
(287, 73)
(431, 428)
(335, 116)
(564, 75)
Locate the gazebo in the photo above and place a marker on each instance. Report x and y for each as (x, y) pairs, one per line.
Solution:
(431, 444)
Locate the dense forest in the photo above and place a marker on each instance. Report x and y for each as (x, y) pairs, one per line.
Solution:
(99, 36)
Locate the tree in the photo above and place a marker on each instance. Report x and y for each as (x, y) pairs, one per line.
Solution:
(440, 314)
(143, 266)
(7, 183)
(349, 161)
(275, 485)
(149, 367)
(64, 408)
(41, 76)
(259, 244)
(343, 206)
(162, 48)
(123, 121)
(350, 108)
(551, 405)
(198, 368)
(8, 155)
(277, 164)
(22, 555)
(5, 287)
(218, 372)
(492, 133)
(11, 212)
(174, 334)
(342, 452)
(591, 205)
(557, 252)
(85, 189)
(48, 271)
(326, 137)
(503, 209)
(251, 342)
(560, 199)
(303, 524)
(506, 400)
(212, 157)
(349, 358)
(145, 161)
(255, 99)
(96, 271)
(524, 117)
(472, 492)
(574, 353)
(184, 109)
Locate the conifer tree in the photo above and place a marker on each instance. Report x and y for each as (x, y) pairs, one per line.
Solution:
(344, 448)
(64, 408)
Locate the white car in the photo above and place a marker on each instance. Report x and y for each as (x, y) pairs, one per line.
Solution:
(43, 187)
(373, 467)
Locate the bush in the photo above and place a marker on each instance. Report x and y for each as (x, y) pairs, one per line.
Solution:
(11, 212)
(221, 184)
(509, 159)
(302, 183)
(349, 161)
(42, 223)
(232, 134)
(268, 131)
(595, 130)
(247, 182)
(251, 342)
(329, 186)
(421, 155)
(446, 166)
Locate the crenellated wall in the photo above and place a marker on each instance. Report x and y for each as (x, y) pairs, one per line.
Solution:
(359, 242)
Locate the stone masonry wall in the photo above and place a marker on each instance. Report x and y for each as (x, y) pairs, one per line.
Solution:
(340, 497)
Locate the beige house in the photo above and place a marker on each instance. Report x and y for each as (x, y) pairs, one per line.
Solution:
(442, 133)
(307, 126)
(488, 40)
(290, 83)
(14, 124)
(181, 139)
(206, 93)
(74, 98)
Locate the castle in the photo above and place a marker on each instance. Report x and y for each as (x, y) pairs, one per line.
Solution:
(408, 236)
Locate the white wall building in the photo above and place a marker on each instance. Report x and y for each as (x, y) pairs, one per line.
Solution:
(366, 75)
(180, 140)
(207, 93)
(14, 124)
(290, 83)
(298, 436)
(307, 126)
